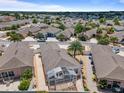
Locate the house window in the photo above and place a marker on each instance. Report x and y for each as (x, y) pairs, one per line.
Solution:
(59, 74)
(4, 74)
(52, 77)
(11, 73)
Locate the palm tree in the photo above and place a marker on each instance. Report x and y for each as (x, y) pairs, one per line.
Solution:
(75, 47)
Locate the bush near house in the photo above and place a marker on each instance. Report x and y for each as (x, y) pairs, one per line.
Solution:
(24, 85)
(102, 84)
(61, 37)
(25, 79)
(82, 37)
(27, 74)
(104, 40)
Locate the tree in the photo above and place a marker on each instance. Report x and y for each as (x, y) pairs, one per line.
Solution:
(113, 39)
(75, 47)
(110, 30)
(116, 21)
(39, 36)
(27, 74)
(82, 37)
(79, 28)
(14, 27)
(99, 30)
(15, 37)
(102, 20)
(46, 20)
(61, 26)
(61, 37)
(35, 21)
(104, 40)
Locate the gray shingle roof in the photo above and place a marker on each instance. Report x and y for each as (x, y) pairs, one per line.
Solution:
(107, 64)
(68, 32)
(19, 22)
(119, 35)
(17, 55)
(53, 56)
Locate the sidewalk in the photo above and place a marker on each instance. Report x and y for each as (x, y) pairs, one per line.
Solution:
(39, 74)
(79, 85)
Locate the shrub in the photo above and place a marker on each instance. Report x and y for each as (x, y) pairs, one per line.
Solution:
(102, 84)
(24, 85)
(61, 37)
(94, 92)
(27, 74)
(82, 37)
(86, 88)
(94, 78)
(104, 40)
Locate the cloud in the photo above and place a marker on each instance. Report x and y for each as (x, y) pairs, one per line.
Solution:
(121, 1)
(16, 5)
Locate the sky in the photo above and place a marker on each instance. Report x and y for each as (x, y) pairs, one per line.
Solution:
(62, 5)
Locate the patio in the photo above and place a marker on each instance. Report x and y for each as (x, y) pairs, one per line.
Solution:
(11, 87)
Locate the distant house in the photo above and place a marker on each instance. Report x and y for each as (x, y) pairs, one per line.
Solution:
(119, 28)
(5, 25)
(7, 18)
(108, 66)
(58, 65)
(93, 32)
(119, 35)
(46, 30)
(67, 33)
(50, 31)
(16, 58)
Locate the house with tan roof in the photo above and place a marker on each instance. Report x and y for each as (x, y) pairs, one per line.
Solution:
(108, 66)
(59, 67)
(17, 57)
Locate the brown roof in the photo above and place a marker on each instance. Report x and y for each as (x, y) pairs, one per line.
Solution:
(119, 35)
(107, 64)
(17, 55)
(53, 56)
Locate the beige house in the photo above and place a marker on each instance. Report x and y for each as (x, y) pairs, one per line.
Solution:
(108, 66)
(15, 60)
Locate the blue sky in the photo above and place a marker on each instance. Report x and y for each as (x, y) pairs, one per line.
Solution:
(62, 5)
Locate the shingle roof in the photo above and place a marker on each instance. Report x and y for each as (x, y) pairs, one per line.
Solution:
(8, 24)
(53, 56)
(17, 55)
(107, 64)
(119, 35)
(68, 32)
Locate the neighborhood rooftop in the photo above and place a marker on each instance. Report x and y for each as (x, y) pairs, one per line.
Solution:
(107, 64)
(17, 55)
(53, 56)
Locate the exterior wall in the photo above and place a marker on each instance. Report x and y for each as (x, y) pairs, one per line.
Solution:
(17, 71)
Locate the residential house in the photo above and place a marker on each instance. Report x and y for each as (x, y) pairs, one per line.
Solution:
(58, 65)
(93, 32)
(67, 33)
(7, 18)
(108, 66)
(17, 57)
(119, 28)
(5, 25)
(119, 35)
